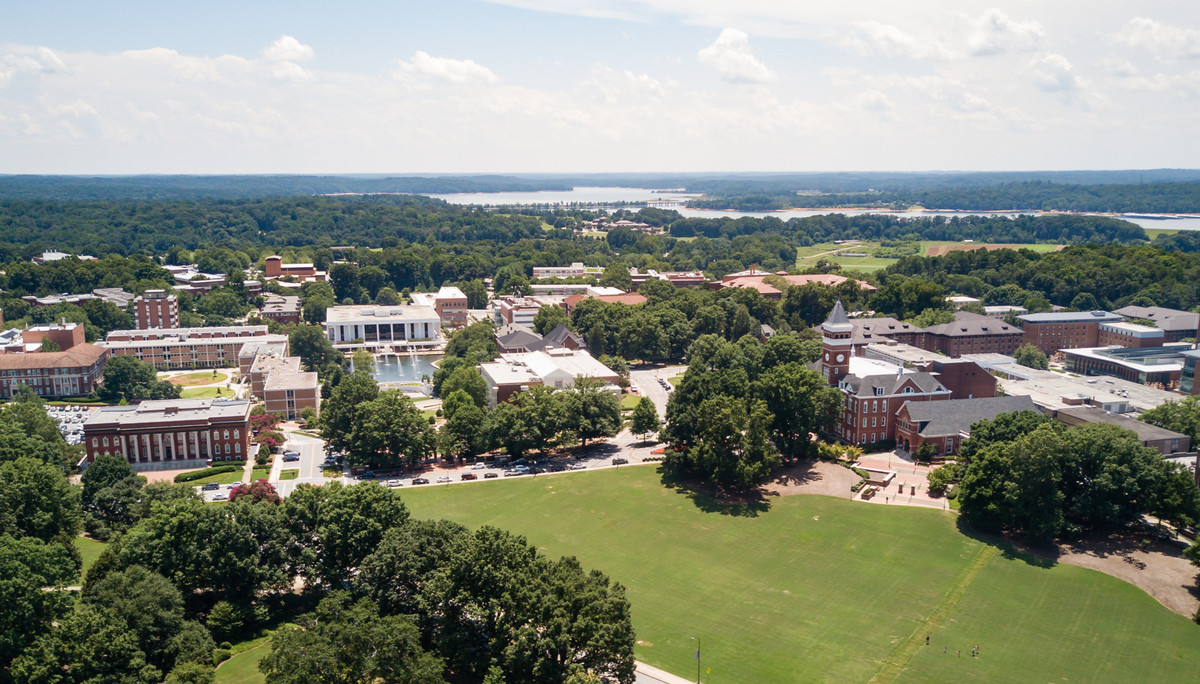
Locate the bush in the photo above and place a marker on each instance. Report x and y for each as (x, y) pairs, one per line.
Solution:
(206, 472)
(857, 486)
(952, 494)
(225, 620)
(943, 477)
(226, 645)
(220, 655)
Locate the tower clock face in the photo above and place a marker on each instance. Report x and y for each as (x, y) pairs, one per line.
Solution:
(826, 356)
(841, 358)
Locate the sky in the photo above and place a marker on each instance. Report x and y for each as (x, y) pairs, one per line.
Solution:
(573, 86)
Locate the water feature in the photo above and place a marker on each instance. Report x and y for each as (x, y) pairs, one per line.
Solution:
(405, 368)
(601, 195)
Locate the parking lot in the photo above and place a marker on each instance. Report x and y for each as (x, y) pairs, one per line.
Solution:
(70, 420)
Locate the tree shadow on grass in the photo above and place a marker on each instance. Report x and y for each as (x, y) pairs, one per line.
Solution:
(749, 505)
(1041, 556)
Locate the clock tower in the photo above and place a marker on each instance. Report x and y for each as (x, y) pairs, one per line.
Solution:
(836, 338)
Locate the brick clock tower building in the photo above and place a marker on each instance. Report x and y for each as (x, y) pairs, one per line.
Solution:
(836, 337)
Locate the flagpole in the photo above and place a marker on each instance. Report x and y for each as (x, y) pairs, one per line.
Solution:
(697, 640)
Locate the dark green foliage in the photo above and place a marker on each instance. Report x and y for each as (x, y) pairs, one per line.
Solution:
(26, 611)
(333, 528)
(548, 318)
(315, 350)
(349, 642)
(389, 432)
(87, 647)
(467, 379)
(146, 604)
(131, 379)
(339, 413)
(464, 434)
(27, 431)
(1181, 416)
(1031, 357)
(404, 561)
(37, 501)
(645, 418)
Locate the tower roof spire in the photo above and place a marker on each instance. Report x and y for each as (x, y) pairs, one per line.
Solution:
(837, 321)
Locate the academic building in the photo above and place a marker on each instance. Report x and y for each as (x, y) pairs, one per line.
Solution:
(182, 348)
(171, 433)
(1051, 332)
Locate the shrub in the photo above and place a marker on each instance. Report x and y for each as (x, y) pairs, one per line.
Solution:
(220, 655)
(225, 620)
(206, 472)
(943, 477)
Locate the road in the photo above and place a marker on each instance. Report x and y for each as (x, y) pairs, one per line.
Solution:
(312, 457)
(648, 386)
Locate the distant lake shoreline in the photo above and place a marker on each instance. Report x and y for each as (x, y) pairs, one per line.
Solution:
(673, 198)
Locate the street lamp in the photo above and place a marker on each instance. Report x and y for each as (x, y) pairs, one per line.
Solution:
(697, 640)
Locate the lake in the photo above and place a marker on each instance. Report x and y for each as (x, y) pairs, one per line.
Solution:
(603, 195)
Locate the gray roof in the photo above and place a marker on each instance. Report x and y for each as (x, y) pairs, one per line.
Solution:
(943, 418)
(868, 330)
(1167, 319)
(970, 324)
(515, 337)
(559, 336)
(1145, 431)
(891, 384)
(1071, 317)
(837, 315)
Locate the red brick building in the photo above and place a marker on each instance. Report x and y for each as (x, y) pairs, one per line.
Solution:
(156, 309)
(944, 425)
(282, 309)
(1130, 335)
(1051, 332)
(971, 333)
(71, 373)
(172, 433)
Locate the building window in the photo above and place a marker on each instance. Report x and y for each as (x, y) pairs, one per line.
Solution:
(96, 441)
(227, 434)
(237, 434)
(873, 422)
(237, 448)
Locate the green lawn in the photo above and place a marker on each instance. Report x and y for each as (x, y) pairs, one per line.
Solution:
(675, 380)
(259, 474)
(243, 667)
(820, 588)
(1155, 232)
(865, 264)
(629, 402)
(205, 392)
(289, 474)
(207, 377)
(90, 549)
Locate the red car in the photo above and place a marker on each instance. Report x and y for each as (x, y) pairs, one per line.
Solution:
(469, 476)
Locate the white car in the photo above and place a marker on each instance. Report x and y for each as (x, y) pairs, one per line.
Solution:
(479, 466)
(444, 478)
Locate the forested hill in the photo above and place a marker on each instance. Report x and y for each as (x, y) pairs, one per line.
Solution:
(1156, 198)
(240, 187)
(154, 227)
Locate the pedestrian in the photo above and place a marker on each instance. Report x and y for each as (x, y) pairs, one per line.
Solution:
(960, 653)
(944, 648)
(926, 639)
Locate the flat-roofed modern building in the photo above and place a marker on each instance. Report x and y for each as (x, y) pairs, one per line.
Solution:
(557, 368)
(372, 327)
(282, 309)
(181, 348)
(1051, 332)
(156, 309)
(1125, 334)
(1159, 365)
(288, 392)
(449, 302)
(171, 433)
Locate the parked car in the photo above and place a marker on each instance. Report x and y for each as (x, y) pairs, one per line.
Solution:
(420, 481)
(470, 476)
(620, 460)
(221, 497)
(394, 483)
(479, 466)
(444, 478)
(522, 468)
(490, 474)
(211, 486)
(289, 456)
(513, 473)
(577, 466)
(235, 484)
(558, 468)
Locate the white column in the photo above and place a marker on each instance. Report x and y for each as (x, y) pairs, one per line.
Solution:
(158, 441)
(208, 442)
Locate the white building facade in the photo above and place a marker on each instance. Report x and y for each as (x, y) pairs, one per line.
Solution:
(384, 328)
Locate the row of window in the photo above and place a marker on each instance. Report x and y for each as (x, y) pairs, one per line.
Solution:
(235, 450)
(216, 434)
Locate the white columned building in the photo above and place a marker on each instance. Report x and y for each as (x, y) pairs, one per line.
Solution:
(384, 328)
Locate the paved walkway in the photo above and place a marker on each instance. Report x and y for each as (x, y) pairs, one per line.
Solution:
(648, 674)
(910, 486)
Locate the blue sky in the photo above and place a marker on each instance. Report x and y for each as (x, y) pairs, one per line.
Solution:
(596, 85)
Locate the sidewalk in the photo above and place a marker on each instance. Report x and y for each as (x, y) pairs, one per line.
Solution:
(648, 674)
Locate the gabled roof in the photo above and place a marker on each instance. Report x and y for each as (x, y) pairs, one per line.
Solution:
(967, 324)
(559, 336)
(868, 330)
(513, 337)
(1167, 319)
(924, 383)
(949, 418)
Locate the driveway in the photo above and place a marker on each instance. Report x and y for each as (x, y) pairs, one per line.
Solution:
(312, 457)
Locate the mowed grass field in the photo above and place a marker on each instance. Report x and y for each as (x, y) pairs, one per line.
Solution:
(808, 256)
(818, 588)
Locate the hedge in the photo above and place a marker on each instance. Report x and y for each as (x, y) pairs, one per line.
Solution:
(215, 470)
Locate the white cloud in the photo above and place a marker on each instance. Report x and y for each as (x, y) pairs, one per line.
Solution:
(457, 71)
(995, 33)
(287, 49)
(873, 101)
(887, 40)
(1162, 40)
(1054, 73)
(30, 61)
(731, 58)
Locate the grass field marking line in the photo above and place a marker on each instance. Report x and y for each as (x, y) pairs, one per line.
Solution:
(898, 659)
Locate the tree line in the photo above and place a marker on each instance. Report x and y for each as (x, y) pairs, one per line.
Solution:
(384, 597)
